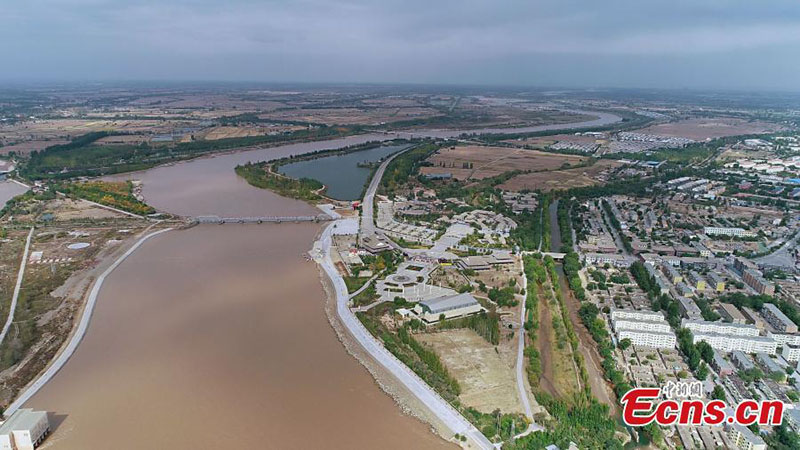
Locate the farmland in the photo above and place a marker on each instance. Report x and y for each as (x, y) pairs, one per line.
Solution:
(478, 162)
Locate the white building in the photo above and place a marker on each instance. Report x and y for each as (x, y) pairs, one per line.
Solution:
(641, 325)
(785, 339)
(728, 231)
(653, 316)
(450, 306)
(24, 430)
(728, 343)
(648, 338)
(613, 259)
(735, 329)
(791, 353)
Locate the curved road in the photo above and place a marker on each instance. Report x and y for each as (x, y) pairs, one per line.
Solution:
(64, 356)
(451, 418)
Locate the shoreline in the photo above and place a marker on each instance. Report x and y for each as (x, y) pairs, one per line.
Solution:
(387, 383)
(80, 328)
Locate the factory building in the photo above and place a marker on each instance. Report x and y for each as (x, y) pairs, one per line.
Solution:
(24, 430)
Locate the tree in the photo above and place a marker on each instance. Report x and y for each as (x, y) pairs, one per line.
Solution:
(706, 352)
(624, 344)
(702, 372)
(718, 393)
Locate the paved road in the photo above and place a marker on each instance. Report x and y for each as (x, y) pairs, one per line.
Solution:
(521, 390)
(451, 418)
(64, 356)
(17, 287)
(367, 207)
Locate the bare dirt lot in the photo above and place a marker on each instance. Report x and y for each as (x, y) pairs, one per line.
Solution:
(702, 129)
(486, 377)
(477, 162)
(562, 179)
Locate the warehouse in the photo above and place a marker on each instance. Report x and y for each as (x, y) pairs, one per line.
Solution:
(449, 306)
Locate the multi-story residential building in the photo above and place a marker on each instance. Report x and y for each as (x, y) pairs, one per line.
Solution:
(728, 343)
(697, 280)
(791, 353)
(728, 231)
(745, 439)
(615, 260)
(717, 283)
(689, 308)
(778, 319)
(652, 316)
(641, 325)
(684, 290)
(648, 338)
(734, 329)
(754, 279)
(785, 339)
(671, 273)
(741, 360)
(754, 318)
(720, 365)
(731, 313)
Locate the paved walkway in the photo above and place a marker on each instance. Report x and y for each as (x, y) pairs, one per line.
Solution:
(451, 418)
(64, 356)
(17, 288)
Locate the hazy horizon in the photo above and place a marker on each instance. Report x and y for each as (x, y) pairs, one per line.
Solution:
(721, 45)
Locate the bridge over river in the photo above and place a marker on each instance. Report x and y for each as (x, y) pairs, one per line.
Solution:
(264, 219)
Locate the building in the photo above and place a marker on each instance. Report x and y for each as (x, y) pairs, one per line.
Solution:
(716, 281)
(791, 353)
(431, 311)
(689, 308)
(648, 338)
(731, 314)
(672, 275)
(745, 439)
(728, 343)
(697, 280)
(754, 279)
(24, 430)
(778, 319)
(741, 360)
(785, 339)
(641, 325)
(684, 290)
(652, 316)
(600, 259)
(754, 318)
(728, 231)
(769, 365)
(720, 365)
(733, 329)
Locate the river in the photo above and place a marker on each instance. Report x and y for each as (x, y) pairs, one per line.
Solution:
(216, 336)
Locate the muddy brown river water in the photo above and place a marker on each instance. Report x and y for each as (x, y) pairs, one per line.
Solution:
(216, 337)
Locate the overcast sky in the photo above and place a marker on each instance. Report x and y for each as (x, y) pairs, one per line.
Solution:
(748, 44)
